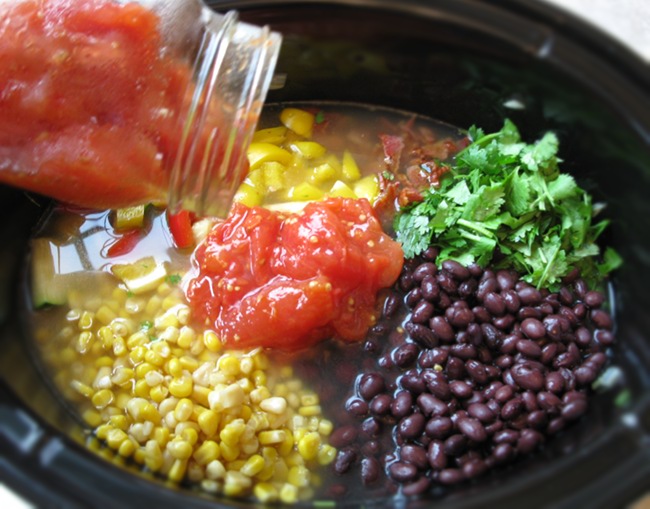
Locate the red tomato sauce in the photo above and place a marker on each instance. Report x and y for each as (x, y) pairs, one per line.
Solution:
(85, 93)
(289, 281)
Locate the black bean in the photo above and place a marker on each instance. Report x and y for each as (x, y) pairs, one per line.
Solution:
(549, 401)
(474, 468)
(569, 379)
(415, 455)
(527, 378)
(529, 296)
(537, 419)
(370, 448)
(423, 270)
(460, 389)
(430, 254)
(467, 288)
(441, 328)
(566, 296)
(402, 404)
(405, 354)
(485, 286)
(529, 348)
(370, 470)
(528, 312)
(594, 299)
(511, 300)
(476, 371)
(548, 353)
(604, 337)
(481, 315)
(504, 394)
(506, 436)
(553, 327)
(545, 309)
(554, 382)
(391, 305)
(511, 409)
(356, 406)
(528, 441)
(455, 445)
(455, 368)
(345, 458)
(492, 389)
(402, 472)
(413, 297)
(380, 404)
(472, 429)
(439, 427)
(422, 334)
(598, 359)
(444, 301)
(371, 427)
(583, 337)
(571, 396)
(422, 312)
(416, 487)
(491, 334)
(457, 270)
(463, 351)
(574, 410)
(503, 322)
(530, 401)
(495, 303)
(580, 310)
(406, 281)
(475, 270)
(533, 328)
(411, 426)
(436, 384)
(431, 406)
(413, 382)
(459, 316)
(430, 289)
(496, 426)
(506, 279)
(503, 453)
(447, 283)
(601, 319)
(555, 425)
(371, 384)
(343, 435)
(450, 476)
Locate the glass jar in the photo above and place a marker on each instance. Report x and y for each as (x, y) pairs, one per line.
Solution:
(108, 104)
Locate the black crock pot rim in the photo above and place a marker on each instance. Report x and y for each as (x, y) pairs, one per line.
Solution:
(19, 469)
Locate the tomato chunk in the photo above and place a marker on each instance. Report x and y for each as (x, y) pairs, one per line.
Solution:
(288, 281)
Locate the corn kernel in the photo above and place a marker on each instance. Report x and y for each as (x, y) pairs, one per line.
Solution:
(183, 409)
(253, 465)
(275, 405)
(207, 452)
(177, 471)
(299, 476)
(228, 452)
(115, 437)
(179, 449)
(272, 437)
(236, 484)
(209, 422)
(215, 470)
(326, 454)
(265, 492)
(289, 494)
(308, 445)
(181, 387)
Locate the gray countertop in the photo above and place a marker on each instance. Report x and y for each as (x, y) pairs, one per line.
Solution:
(625, 20)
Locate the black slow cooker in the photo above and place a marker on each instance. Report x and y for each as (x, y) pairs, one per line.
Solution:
(463, 62)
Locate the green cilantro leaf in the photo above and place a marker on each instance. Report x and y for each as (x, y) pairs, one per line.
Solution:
(507, 196)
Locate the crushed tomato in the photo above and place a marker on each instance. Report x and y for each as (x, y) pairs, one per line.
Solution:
(84, 87)
(289, 281)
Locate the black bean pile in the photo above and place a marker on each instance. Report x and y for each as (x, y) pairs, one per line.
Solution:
(482, 370)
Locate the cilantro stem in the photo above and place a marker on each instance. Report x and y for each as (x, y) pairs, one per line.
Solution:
(476, 228)
(542, 278)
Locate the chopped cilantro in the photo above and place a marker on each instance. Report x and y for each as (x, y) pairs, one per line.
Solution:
(320, 117)
(146, 325)
(623, 398)
(174, 279)
(388, 175)
(504, 196)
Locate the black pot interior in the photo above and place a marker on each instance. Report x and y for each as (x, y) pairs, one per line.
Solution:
(462, 62)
